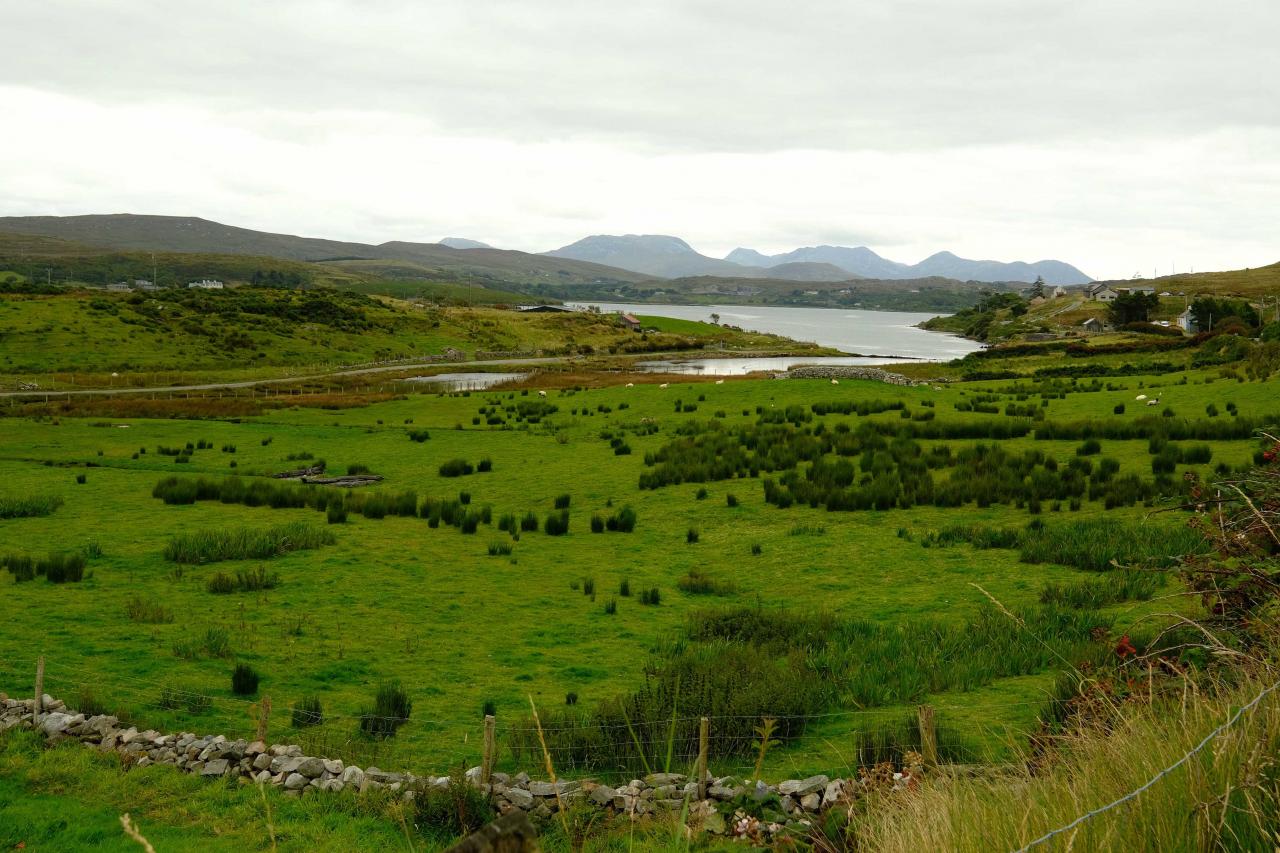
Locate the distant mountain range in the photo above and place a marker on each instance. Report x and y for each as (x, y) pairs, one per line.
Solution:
(592, 260)
(671, 257)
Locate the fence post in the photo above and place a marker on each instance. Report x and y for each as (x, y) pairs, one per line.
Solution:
(37, 708)
(704, 738)
(928, 736)
(490, 748)
(264, 716)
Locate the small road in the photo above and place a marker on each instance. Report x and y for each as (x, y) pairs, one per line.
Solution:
(251, 383)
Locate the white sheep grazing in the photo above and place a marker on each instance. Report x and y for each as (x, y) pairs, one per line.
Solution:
(542, 393)
(835, 381)
(631, 384)
(1140, 397)
(719, 381)
(1154, 402)
(664, 384)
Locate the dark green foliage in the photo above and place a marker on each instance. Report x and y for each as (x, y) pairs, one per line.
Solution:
(731, 500)
(624, 589)
(499, 549)
(588, 586)
(1094, 544)
(484, 466)
(244, 680)
(756, 549)
(557, 523)
(464, 498)
(80, 479)
(62, 568)
(336, 513)
(221, 584)
(356, 468)
(138, 609)
(307, 712)
(562, 502)
(622, 521)
(391, 709)
(650, 596)
(698, 582)
(1111, 588)
(529, 522)
(1118, 409)
(453, 810)
(1091, 447)
(691, 536)
(597, 524)
(419, 435)
(701, 494)
(456, 468)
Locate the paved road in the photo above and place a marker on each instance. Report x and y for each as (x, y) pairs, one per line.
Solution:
(250, 383)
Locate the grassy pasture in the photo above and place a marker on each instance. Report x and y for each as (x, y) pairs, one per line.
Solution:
(393, 598)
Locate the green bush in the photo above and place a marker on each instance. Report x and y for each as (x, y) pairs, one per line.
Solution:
(210, 546)
(244, 680)
(391, 709)
(456, 468)
(557, 523)
(29, 507)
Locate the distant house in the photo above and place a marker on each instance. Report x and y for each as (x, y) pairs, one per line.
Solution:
(119, 287)
(1141, 288)
(1186, 322)
(143, 284)
(1093, 324)
(630, 321)
(207, 284)
(1059, 292)
(545, 309)
(1104, 294)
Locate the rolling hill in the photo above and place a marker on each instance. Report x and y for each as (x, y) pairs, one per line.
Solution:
(195, 235)
(662, 256)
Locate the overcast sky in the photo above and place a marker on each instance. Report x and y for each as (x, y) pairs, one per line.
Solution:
(1118, 135)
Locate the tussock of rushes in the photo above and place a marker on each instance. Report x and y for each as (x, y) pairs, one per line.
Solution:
(1094, 543)
(211, 546)
(29, 507)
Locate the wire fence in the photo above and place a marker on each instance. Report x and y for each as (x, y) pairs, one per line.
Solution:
(842, 740)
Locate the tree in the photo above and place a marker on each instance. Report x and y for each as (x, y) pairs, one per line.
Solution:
(1132, 307)
(715, 318)
(1208, 312)
(1037, 289)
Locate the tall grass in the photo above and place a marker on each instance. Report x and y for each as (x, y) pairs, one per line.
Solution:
(29, 507)
(211, 546)
(1221, 799)
(1094, 544)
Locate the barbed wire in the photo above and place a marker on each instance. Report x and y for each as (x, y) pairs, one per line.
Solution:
(1154, 779)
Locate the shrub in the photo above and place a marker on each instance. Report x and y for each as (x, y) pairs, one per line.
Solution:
(597, 524)
(307, 712)
(62, 568)
(355, 468)
(80, 479)
(1118, 409)
(529, 522)
(650, 596)
(244, 680)
(691, 536)
(557, 523)
(336, 513)
(499, 549)
(464, 498)
(391, 709)
(701, 494)
(455, 809)
(1091, 447)
(756, 549)
(484, 466)
(731, 500)
(419, 435)
(622, 521)
(624, 589)
(456, 468)
(562, 502)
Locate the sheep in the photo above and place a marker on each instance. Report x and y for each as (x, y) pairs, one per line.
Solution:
(542, 393)
(835, 381)
(719, 381)
(664, 384)
(631, 384)
(1154, 402)
(1140, 397)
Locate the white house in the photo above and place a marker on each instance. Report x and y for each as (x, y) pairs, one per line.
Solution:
(1059, 292)
(1104, 294)
(207, 284)
(1186, 322)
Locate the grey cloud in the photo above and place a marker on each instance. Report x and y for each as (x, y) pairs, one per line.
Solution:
(685, 74)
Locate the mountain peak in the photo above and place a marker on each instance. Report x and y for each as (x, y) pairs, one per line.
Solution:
(463, 243)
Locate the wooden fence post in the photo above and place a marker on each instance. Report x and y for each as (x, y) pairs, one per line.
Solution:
(38, 707)
(704, 739)
(928, 736)
(264, 716)
(490, 748)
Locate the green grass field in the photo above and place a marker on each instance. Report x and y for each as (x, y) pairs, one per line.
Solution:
(396, 599)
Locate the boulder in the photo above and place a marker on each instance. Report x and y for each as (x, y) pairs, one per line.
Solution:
(55, 723)
(520, 798)
(352, 775)
(333, 766)
(310, 767)
(217, 767)
(602, 795)
(801, 787)
(811, 802)
(658, 780)
(262, 762)
(295, 782)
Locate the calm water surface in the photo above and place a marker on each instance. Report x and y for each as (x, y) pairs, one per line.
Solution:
(878, 333)
(467, 381)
